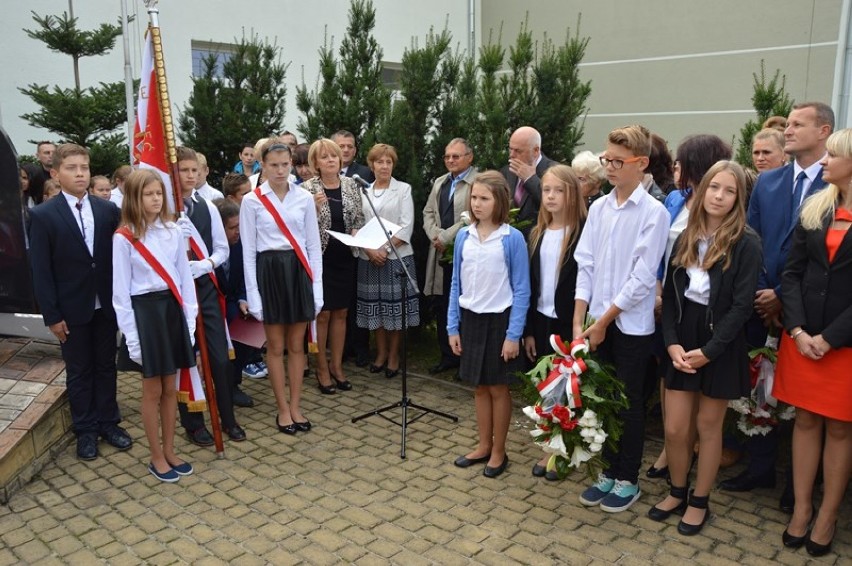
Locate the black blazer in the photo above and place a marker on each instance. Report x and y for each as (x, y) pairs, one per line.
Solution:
(731, 296)
(362, 170)
(566, 284)
(532, 199)
(233, 285)
(66, 277)
(817, 295)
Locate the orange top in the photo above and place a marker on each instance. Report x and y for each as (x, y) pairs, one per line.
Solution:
(835, 236)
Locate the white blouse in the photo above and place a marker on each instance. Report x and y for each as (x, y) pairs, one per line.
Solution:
(551, 245)
(485, 284)
(698, 289)
(260, 233)
(133, 275)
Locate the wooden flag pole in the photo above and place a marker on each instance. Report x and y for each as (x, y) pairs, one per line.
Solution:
(168, 130)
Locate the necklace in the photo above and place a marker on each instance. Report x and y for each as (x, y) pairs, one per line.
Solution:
(379, 195)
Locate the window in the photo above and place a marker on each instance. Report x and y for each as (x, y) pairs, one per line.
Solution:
(202, 50)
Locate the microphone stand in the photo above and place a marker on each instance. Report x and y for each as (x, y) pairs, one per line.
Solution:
(405, 402)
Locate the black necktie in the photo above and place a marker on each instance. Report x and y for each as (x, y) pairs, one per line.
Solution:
(797, 196)
(188, 205)
(79, 207)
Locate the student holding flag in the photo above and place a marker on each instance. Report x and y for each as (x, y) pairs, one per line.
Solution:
(282, 257)
(155, 304)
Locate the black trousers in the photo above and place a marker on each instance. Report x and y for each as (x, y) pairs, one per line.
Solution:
(629, 355)
(220, 365)
(89, 355)
(441, 304)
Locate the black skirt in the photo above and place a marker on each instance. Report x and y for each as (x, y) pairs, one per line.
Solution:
(482, 337)
(726, 377)
(338, 276)
(286, 292)
(163, 334)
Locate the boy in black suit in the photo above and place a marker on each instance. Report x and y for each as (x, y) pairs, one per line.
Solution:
(71, 257)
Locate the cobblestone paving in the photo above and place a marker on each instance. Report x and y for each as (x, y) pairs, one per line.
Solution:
(341, 494)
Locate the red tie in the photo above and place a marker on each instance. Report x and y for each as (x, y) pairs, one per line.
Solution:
(519, 192)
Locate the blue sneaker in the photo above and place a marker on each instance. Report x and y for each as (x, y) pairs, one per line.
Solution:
(168, 477)
(255, 371)
(593, 495)
(622, 496)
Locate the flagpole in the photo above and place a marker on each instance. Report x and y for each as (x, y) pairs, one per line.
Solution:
(171, 158)
(128, 79)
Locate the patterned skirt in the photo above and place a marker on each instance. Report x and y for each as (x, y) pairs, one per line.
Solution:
(380, 295)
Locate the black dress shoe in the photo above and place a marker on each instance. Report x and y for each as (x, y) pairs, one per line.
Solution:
(443, 365)
(342, 384)
(362, 359)
(490, 472)
(816, 549)
(117, 437)
(200, 437)
(236, 433)
(391, 373)
(688, 529)
(656, 473)
(791, 541)
(326, 389)
(552, 475)
(303, 427)
(241, 398)
(377, 369)
(747, 482)
(538, 470)
(87, 446)
(286, 429)
(465, 462)
(657, 514)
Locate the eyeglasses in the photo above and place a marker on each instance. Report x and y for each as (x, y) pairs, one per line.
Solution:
(454, 156)
(618, 163)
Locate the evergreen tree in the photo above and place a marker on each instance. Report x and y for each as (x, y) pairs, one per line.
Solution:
(350, 94)
(490, 139)
(769, 99)
(89, 117)
(243, 105)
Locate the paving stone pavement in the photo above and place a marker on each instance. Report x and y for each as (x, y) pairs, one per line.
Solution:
(341, 494)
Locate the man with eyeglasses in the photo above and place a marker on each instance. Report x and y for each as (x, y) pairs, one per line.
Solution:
(526, 166)
(441, 221)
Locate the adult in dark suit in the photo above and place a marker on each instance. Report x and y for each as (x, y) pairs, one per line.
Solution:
(357, 339)
(772, 213)
(526, 166)
(71, 257)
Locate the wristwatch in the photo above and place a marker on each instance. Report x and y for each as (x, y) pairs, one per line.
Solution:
(387, 248)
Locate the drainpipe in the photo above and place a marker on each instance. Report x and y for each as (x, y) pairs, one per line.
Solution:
(841, 96)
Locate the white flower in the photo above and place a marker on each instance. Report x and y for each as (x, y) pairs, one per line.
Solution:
(587, 433)
(589, 419)
(465, 218)
(536, 432)
(579, 456)
(530, 412)
(595, 447)
(556, 446)
(599, 438)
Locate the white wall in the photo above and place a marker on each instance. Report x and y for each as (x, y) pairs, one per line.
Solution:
(298, 27)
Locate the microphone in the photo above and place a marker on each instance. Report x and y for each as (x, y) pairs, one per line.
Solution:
(357, 178)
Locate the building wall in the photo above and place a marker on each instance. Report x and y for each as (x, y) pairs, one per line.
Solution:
(298, 27)
(684, 66)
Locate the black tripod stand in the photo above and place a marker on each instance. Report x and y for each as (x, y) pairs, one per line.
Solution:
(405, 402)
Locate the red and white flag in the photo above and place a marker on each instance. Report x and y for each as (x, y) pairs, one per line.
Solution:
(149, 140)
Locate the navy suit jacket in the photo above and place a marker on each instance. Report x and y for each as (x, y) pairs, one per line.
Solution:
(361, 170)
(66, 277)
(233, 285)
(769, 214)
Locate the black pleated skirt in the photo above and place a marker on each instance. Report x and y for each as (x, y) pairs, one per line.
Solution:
(482, 337)
(726, 377)
(163, 334)
(286, 293)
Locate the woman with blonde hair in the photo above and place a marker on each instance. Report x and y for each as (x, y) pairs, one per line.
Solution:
(591, 175)
(767, 150)
(814, 359)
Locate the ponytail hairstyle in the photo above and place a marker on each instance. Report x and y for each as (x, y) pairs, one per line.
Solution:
(573, 212)
(728, 234)
(824, 203)
(132, 211)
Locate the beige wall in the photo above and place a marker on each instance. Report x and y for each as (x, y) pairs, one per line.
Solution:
(642, 59)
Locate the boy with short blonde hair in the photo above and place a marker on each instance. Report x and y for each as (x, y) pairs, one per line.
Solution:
(617, 257)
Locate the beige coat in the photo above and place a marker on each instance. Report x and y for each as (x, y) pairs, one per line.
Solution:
(432, 227)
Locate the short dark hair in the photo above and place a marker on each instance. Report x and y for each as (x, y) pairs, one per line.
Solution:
(660, 163)
(232, 182)
(697, 154)
(343, 134)
(300, 154)
(227, 209)
(41, 143)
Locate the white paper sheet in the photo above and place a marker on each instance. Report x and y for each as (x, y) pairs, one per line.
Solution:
(369, 237)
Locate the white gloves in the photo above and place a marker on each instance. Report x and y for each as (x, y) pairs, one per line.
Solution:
(134, 351)
(201, 267)
(185, 225)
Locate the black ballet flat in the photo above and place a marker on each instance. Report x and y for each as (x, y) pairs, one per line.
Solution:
(391, 373)
(342, 384)
(290, 429)
(304, 426)
(656, 473)
(377, 369)
(657, 514)
(326, 389)
(688, 529)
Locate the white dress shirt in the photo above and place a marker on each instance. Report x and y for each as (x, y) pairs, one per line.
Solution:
(133, 275)
(260, 233)
(116, 197)
(87, 228)
(395, 205)
(618, 256)
(209, 192)
(221, 251)
(698, 289)
(484, 273)
(551, 245)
